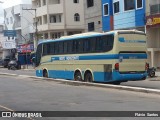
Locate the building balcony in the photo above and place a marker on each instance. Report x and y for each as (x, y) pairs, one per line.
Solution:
(41, 11)
(43, 27)
(55, 8)
(18, 26)
(50, 26)
(52, 9)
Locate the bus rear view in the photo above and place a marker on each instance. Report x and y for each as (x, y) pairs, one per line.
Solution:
(131, 50)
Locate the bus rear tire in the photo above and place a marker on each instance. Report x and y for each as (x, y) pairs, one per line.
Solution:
(45, 74)
(88, 77)
(78, 76)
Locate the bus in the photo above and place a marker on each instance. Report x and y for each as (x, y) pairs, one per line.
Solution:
(110, 57)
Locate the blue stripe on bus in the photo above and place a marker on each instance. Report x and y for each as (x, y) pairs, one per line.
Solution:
(98, 76)
(121, 39)
(100, 57)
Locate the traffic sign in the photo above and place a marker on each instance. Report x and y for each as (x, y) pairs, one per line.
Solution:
(11, 33)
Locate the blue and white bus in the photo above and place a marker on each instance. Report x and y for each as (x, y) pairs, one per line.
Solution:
(116, 56)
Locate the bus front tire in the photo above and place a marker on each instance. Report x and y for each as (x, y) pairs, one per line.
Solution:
(88, 77)
(78, 76)
(45, 74)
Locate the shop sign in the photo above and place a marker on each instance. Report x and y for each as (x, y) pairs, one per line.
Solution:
(153, 21)
(8, 44)
(25, 48)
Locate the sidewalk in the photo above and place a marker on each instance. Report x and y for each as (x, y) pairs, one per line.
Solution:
(158, 73)
(27, 67)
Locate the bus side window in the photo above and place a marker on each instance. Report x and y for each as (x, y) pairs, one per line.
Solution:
(52, 50)
(80, 46)
(87, 46)
(56, 48)
(60, 47)
(69, 47)
(65, 47)
(93, 44)
(110, 40)
(48, 49)
(45, 49)
(105, 43)
(74, 47)
(99, 44)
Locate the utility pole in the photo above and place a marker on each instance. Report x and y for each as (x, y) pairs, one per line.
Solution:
(26, 50)
(36, 32)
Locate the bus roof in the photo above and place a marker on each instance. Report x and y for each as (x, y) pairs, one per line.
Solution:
(82, 35)
(91, 34)
(127, 32)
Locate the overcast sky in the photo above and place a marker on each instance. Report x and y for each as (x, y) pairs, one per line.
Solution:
(10, 3)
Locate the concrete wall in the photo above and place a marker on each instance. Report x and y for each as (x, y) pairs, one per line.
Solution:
(71, 9)
(93, 14)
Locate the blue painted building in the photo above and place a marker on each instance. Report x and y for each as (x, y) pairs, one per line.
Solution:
(123, 14)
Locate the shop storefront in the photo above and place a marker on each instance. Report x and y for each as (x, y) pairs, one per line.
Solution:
(24, 53)
(153, 39)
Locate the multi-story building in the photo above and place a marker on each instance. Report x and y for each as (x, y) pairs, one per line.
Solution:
(19, 20)
(93, 15)
(153, 31)
(123, 14)
(56, 18)
(18, 32)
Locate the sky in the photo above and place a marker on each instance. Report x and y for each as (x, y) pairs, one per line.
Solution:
(10, 3)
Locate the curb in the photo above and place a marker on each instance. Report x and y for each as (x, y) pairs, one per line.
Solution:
(28, 69)
(77, 83)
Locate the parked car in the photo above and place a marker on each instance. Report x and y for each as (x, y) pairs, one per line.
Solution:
(14, 65)
(5, 62)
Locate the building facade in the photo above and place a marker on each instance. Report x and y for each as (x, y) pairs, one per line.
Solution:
(123, 14)
(18, 32)
(56, 18)
(21, 21)
(153, 32)
(93, 15)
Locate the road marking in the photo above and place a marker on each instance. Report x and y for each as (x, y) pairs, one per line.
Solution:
(1, 106)
(6, 108)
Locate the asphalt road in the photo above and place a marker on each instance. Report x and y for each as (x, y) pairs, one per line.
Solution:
(153, 83)
(26, 94)
(18, 72)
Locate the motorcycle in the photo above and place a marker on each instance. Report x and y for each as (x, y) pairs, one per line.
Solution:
(14, 65)
(151, 72)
